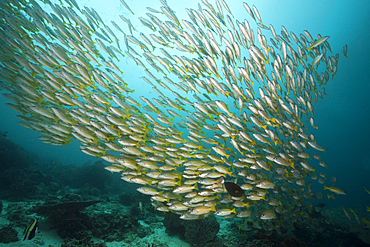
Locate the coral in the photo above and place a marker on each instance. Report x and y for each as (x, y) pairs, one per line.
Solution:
(80, 243)
(113, 222)
(196, 232)
(201, 231)
(67, 209)
(71, 198)
(20, 214)
(66, 218)
(112, 227)
(216, 243)
(17, 184)
(325, 234)
(173, 225)
(1, 207)
(8, 235)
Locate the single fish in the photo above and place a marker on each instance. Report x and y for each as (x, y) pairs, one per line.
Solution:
(30, 230)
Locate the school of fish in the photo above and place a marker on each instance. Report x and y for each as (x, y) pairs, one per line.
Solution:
(230, 102)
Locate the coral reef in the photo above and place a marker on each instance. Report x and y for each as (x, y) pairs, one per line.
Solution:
(173, 225)
(202, 231)
(196, 232)
(17, 213)
(65, 215)
(326, 234)
(80, 243)
(115, 223)
(8, 235)
(362, 231)
(71, 193)
(19, 184)
(73, 218)
(23, 175)
(64, 209)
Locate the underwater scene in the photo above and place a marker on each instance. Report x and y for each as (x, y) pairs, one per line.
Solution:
(205, 123)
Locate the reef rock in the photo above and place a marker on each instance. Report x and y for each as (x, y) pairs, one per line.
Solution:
(196, 232)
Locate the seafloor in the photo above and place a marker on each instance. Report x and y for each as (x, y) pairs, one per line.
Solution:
(85, 205)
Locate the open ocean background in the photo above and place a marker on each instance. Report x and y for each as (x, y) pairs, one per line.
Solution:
(343, 117)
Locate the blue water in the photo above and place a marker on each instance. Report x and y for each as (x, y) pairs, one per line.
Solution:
(343, 117)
